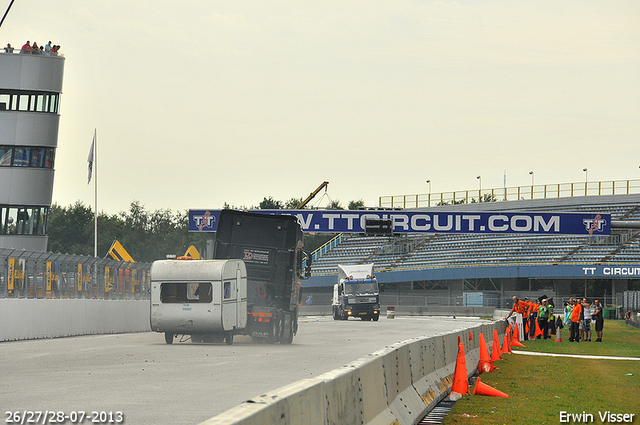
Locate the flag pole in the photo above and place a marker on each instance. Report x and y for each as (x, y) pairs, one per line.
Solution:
(95, 192)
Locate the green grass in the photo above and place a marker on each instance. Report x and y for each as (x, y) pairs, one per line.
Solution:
(539, 388)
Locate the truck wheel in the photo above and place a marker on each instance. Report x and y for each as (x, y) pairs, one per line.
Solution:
(228, 337)
(274, 332)
(168, 337)
(376, 317)
(289, 338)
(335, 314)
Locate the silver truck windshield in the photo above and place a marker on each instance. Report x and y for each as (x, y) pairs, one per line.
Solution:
(361, 288)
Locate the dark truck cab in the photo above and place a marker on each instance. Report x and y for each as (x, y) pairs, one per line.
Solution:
(272, 249)
(357, 293)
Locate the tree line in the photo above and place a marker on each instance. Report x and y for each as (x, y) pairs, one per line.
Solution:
(147, 235)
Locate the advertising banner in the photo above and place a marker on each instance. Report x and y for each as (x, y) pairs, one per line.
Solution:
(347, 221)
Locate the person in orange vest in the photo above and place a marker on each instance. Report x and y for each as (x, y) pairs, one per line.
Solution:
(526, 317)
(533, 317)
(519, 307)
(575, 321)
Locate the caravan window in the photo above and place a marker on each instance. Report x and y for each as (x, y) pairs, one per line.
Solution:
(186, 292)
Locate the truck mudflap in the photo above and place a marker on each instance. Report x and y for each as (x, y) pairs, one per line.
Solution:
(271, 325)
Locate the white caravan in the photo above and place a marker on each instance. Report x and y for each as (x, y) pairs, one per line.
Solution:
(206, 299)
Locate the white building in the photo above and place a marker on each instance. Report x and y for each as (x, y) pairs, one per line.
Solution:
(30, 87)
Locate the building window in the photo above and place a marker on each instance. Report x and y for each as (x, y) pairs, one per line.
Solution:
(26, 156)
(24, 220)
(29, 101)
(5, 155)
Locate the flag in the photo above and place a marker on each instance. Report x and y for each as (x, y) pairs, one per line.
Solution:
(90, 158)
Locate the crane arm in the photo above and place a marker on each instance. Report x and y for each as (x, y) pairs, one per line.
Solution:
(312, 195)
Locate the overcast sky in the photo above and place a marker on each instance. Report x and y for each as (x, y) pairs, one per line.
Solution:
(198, 103)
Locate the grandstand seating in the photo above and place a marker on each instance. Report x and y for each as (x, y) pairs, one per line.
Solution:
(422, 251)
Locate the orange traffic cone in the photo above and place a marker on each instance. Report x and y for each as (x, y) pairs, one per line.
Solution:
(485, 364)
(495, 350)
(516, 333)
(460, 379)
(484, 389)
(515, 343)
(538, 330)
(505, 343)
(558, 335)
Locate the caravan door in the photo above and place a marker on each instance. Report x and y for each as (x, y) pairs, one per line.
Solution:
(229, 304)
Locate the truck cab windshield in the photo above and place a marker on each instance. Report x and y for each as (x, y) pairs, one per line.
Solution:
(361, 288)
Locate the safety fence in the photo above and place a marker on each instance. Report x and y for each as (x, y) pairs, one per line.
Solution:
(540, 191)
(631, 301)
(47, 275)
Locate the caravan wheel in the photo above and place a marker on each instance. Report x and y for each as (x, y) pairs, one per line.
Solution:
(228, 337)
(168, 337)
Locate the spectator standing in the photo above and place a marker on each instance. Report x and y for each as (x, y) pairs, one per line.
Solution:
(575, 321)
(581, 303)
(599, 319)
(587, 320)
(543, 319)
(47, 49)
(552, 318)
(35, 50)
(568, 306)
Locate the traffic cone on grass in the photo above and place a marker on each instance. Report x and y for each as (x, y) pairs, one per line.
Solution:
(538, 331)
(485, 364)
(516, 333)
(484, 389)
(460, 380)
(558, 335)
(495, 350)
(506, 346)
(515, 342)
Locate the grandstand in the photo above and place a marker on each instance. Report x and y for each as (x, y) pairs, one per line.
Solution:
(449, 259)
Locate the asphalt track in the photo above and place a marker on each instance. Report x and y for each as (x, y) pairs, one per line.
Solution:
(153, 383)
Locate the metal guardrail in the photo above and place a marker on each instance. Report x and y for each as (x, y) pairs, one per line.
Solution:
(328, 246)
(545, 191)
(35, 274)
(631, 301)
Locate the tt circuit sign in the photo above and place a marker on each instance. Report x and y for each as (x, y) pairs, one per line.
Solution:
(332, 221)
(611, 271)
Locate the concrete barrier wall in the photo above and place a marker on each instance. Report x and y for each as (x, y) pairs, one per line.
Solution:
(326, 310)
(31, 319)
(397, 385)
